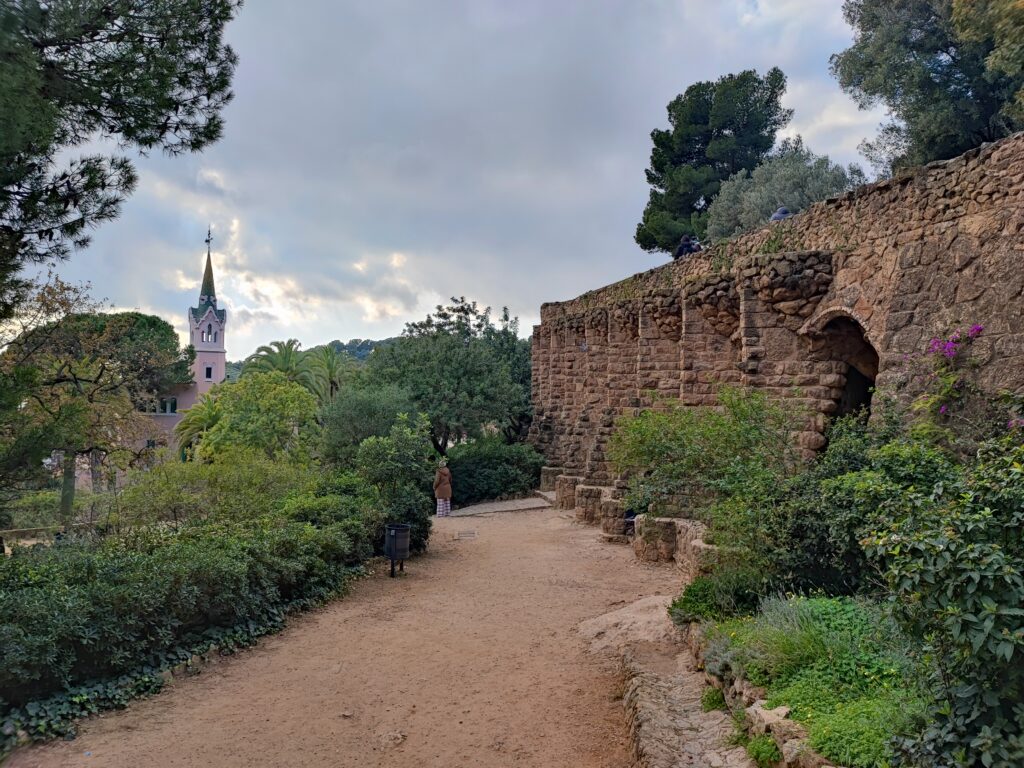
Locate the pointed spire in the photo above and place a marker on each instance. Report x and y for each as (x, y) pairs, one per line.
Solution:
(207, 292)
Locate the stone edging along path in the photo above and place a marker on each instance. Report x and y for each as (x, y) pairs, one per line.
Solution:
(662, 691)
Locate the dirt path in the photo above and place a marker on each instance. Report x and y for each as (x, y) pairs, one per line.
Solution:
(471, 659)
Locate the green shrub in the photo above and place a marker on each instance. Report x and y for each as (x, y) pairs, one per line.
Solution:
(38, 509)
(700, 454)
(712, 699)
(716, 596)
(346, 497)
(763, 751)
(87, 624)
(955, 565)
(237, 484)
(489, 468)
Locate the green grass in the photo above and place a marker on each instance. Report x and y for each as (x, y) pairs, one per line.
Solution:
(840, 665)
(712, 699)
(763, 751)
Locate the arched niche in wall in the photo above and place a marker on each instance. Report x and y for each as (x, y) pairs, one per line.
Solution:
(838, 336)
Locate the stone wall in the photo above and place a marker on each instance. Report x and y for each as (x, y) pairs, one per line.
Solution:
(803, 308)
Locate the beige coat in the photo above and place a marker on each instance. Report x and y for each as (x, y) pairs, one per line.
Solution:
(443, 483)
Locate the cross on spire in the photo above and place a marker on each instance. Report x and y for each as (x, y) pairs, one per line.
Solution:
(207, 292)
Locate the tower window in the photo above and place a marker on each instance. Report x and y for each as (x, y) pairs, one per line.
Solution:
(209, 373)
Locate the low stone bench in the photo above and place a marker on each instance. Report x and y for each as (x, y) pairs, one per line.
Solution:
(548, 476)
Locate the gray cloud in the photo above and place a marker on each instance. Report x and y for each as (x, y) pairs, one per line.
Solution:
(498, 148)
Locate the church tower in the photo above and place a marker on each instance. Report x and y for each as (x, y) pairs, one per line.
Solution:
(206, 326)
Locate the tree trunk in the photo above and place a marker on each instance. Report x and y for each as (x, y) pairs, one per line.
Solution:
(96, 469)
(67, 489)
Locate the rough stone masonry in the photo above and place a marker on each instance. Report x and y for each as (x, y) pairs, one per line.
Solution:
(818, 308)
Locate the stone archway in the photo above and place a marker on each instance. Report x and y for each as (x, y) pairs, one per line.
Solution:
(845, 341)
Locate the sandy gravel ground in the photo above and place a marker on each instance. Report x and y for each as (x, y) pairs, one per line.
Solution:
(471, 659)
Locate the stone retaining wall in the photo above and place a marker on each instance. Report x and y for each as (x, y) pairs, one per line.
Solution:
(672, 540)
(851, 284)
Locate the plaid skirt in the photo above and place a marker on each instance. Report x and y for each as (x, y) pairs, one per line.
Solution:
(444, 507)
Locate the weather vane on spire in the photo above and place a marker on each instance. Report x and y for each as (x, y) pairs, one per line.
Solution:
(209, 238)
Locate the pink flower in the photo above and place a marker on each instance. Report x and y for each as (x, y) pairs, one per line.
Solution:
(975, 331)
(935, 345)
(944, 409)
(1015, 423)
(949, 349)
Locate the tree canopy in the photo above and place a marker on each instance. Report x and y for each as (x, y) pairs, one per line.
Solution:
(81, 380)
(461, 370)
(716, 129)
(264, 412)
(150, 74)
(949, 83)
(792, 177)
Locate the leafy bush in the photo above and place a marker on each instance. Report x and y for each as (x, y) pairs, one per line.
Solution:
(87, 623)
(37, 509)
(263, 412)
(763, 751)
(693, 456)
(830, 510)
(399, 468)
(724, 593)
(712, 699)
(955, 565)
(489, 468)
(237, 484)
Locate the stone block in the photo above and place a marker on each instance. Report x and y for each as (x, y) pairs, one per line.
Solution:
(548, 475)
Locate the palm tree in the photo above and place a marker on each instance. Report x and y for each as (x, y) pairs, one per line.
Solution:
(284, 356)
(328, 370)
(197, 421)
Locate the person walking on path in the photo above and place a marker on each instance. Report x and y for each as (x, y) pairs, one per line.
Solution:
(443, 489)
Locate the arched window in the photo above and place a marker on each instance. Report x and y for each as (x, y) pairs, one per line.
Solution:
(214, 335)
(209, 332)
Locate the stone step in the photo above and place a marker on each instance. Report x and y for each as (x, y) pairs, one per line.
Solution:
(548, 496)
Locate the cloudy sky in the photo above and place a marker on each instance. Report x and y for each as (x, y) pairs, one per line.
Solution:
(382, 155)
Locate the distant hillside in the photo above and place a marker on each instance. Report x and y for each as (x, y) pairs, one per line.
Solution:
(360, 349)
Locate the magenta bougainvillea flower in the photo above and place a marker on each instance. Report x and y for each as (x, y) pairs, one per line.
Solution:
(975, 331)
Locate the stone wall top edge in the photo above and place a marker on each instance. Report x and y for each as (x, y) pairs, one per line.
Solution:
(747, 247)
